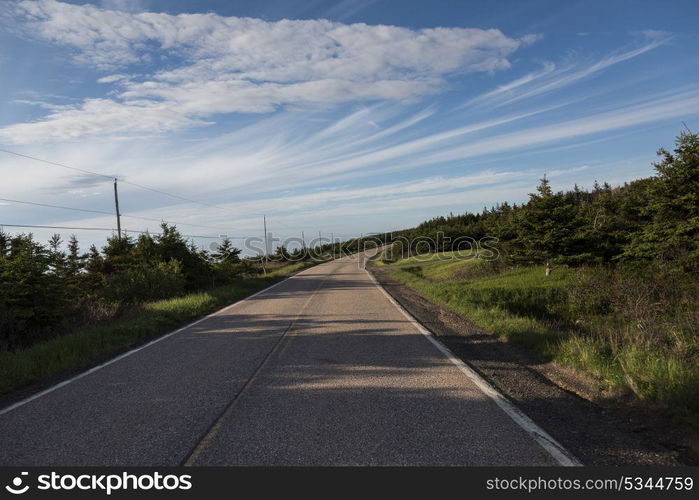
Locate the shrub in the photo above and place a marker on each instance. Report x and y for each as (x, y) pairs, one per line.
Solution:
(590, 292)
(227, 272)
(142, 282)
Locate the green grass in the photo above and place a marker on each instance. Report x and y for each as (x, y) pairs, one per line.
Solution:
(85, 347)
(525, 306)
(425, 257)
(509, 303)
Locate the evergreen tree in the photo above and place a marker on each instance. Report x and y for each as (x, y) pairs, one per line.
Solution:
(547, 225)
(171, 245)
(282, 254)
(4, 243)
(32, 297)
(226, 252)
(672, 233)
(56, 256)
(74, 261)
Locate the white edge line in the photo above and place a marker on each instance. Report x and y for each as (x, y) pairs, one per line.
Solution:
(548, 443)
(132, 351)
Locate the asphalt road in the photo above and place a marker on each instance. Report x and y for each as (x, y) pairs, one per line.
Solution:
(321, 369)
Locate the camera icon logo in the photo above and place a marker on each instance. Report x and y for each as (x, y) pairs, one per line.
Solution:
(16, 487)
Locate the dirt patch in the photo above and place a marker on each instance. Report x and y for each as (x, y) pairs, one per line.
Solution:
(598, 428)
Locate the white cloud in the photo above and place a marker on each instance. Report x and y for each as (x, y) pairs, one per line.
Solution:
(113, 78)
(299, 150)
(99, 116)
(312, 168)
(509, 88)
(335, 203)
(651, 110)
(531, 38)
(550, 79)
(281, 51)
(219, 64)
(349, 149)
(655, 34)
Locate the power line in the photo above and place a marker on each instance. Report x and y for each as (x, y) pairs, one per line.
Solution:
(176, 196)
(56, 206)
(111, 177)
(58, 227)
(102, 212)
(111, 230)
(275, 222)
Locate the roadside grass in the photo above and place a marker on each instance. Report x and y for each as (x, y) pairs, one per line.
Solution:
(86, 347)
(453, 256)
(525, 306)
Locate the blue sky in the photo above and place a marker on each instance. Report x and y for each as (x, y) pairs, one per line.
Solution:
(347, 117)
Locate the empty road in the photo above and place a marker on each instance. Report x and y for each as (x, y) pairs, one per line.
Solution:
(320, 369)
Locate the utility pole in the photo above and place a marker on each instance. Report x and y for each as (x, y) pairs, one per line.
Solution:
(116, 203)
(320, 241)
(303, 240)
(264, 266)
(332, 243)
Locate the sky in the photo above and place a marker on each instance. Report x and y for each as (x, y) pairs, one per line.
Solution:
(344, 117)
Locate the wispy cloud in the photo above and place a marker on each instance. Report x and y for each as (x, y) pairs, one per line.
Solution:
(655, 34)
(650, 110)
(509, 88)
(457, 145)
(550, 78)
(223, 65)
(431, 193)
(296, 152)
(99, 117)
(315, 122)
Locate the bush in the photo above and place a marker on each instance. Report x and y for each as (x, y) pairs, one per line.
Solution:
(226, 272)
(648, 319)
(479, 268)
(32, 296)
(141, 283)
(590, 292)
(536, 302)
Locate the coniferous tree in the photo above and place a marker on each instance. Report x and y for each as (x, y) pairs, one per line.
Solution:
(546, 225)
(226, 252)
(282, 254)
(672, 233)
(56, 256)
(74, 261)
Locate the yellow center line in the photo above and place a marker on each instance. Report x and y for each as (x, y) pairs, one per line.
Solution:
(205, 442)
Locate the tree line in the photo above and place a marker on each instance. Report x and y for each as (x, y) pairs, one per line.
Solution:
(648, 221)
(44, 288)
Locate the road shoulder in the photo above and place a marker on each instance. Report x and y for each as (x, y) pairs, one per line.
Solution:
(596, 434)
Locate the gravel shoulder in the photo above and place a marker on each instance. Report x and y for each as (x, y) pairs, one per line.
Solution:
(598, 431)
